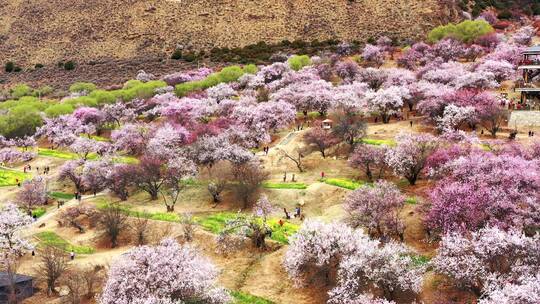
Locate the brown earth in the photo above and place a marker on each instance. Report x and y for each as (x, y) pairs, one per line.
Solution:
(47, 31)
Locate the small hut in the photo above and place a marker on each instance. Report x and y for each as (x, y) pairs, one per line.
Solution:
(24, 286)
(327, 124)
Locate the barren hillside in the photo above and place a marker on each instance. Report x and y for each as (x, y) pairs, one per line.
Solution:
(46, 31)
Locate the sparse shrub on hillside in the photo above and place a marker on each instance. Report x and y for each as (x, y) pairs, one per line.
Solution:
(69, 65)
(177, 54)
(9, 67)
(466, 31)
(38, 66)
(506, 14)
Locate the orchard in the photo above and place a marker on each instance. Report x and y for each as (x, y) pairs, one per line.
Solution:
(386, 173)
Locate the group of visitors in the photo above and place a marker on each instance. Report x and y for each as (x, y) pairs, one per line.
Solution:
(28, 168)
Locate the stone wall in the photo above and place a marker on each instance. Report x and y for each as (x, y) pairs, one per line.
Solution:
(46, 31)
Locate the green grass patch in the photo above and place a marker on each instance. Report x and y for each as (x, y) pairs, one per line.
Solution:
(49, 238)
(92, 156)
(39, 212)
(378, 142)
(244, 298)
(217, 221)
(126, 160)
(156, 216)
(412, 200)
(281, 234)
(420, 260)
(99, 138)
(485, 147)
(9, 177)
(62, 196)
(270, 185)
(343, 183)
(63, 154)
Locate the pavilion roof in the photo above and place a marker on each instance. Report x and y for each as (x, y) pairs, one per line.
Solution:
(5, 278)
(533, 50)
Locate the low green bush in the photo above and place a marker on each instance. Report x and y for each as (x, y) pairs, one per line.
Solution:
(466, 31)
(102, 97)
(297, 62)
(226, 75)
(21, 90)
(20, 121)
(82, 86)
(59, 109)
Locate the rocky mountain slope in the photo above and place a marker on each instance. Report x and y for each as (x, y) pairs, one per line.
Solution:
(47, 31)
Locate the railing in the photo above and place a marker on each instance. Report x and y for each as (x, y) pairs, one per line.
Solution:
(529, 62)
(520, 84)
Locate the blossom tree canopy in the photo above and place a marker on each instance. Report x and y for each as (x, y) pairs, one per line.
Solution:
(368, 158)
(347, 70)
(502, 69)
(118, 113)
(307, 96)
(387, 101)
(87, 115)
(83, 147)
(72, 171)
(12, 221)
(321, 248)
(131, 138)
(408, 158)
(167, 141)
(221, 91)
(374, 54)
(32, 193)
(350, 97)
(376, 208)
(168, 272)
(483, 189)
(488, 260)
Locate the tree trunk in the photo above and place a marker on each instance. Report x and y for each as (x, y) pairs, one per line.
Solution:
(412, 179)
(369, 174)
(114, 241)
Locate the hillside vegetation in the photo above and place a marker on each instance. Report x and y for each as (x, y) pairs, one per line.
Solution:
(44, 32)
